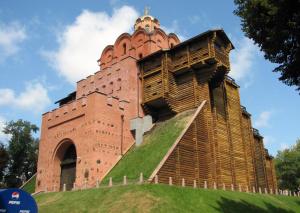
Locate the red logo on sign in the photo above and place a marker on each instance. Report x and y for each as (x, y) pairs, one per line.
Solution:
(15, 195)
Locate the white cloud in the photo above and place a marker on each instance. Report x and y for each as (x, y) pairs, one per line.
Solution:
(81, 43)
(11, 36)
(3, 137)
(243, 58)
(263, 119)
(34, 98)
(174, 28)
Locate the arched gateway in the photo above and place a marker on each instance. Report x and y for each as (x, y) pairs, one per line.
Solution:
(66, 156)
(68, 168)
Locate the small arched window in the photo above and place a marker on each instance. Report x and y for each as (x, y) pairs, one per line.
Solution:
(140, 55)
(172, 45)
(124, 48)
(147, 27)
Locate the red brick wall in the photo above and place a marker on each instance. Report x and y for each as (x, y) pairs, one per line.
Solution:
(93, 121)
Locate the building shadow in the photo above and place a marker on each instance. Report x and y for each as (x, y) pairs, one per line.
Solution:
(230, 206)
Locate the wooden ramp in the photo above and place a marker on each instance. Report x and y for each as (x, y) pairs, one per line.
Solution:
(188, 157)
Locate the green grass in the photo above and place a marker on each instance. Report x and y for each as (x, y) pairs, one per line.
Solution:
(30, 186)
(163, 198)
(146, 157)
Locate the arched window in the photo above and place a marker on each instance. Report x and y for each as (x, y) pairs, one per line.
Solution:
(172, 45)
(124, 48)
(140, 55)
(147, 28)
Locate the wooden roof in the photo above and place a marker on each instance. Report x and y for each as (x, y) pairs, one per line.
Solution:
(220, 33)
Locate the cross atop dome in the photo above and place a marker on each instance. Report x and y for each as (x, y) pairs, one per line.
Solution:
(147, 22)
(146, 11)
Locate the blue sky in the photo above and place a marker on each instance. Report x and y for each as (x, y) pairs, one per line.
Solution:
(46, 46)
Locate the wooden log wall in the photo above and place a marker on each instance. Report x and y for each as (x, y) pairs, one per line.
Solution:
(224, 150)
(260, 164)
(233, 106)
(185, 92)
(191, 158)
(220, 146)
(249, 143)
(274, 174)
(270, 172)
(152, 81)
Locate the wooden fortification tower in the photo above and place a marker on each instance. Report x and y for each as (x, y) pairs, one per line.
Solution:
(150, 73)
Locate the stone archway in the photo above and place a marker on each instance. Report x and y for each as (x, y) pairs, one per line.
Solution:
(66, 157)
(68, 168)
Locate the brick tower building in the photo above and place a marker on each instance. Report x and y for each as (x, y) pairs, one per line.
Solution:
(146, 75)
(88, 133)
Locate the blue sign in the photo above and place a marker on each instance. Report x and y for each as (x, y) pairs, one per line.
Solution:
(16, 201)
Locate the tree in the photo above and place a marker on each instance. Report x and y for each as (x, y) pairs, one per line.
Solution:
(3, 161)
(287, 163)
(22, 150)
(275, 26)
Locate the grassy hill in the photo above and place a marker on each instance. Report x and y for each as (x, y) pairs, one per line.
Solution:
(30, 185)
(146, 157)
(163, 198)
(158, 198)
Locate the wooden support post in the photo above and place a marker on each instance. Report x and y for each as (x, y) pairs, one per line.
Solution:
(124, 180)
(276, 191)
(156, 179)
(224, 187)
(195, 184)
(205, 184)
(183, 182)
(64, 187)
(232, 187)
(141, 178)
(259, 189)
(271, 191)
(253, 189)
(215, 185)
(170, 181)
(266, 191)
(110, 183)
